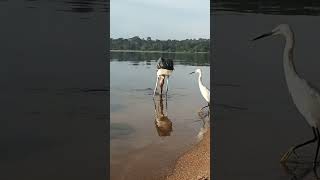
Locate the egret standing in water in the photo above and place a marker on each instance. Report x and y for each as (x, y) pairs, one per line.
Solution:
(164, 70)
(204, 91)
(304, 95)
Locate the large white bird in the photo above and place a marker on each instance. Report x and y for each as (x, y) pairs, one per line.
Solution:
(304, 95)
(205, 92)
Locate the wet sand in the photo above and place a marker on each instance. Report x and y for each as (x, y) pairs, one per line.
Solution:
(194, 164)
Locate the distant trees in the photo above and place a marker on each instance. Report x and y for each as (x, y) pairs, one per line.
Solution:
(135, 43)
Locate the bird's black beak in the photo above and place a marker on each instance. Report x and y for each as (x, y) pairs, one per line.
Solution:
(191, 72)
(263, 35)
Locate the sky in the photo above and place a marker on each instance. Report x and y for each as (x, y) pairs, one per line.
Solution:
(160, 19)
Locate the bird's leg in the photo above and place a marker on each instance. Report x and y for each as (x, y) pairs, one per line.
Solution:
(316, 157)
(167, 84)
(155, 107)
(286, 156)
(200, 110)
(161, 83)
(161, 105)
(166, 105)
(204, 107)
(155, 88)
(315, 173)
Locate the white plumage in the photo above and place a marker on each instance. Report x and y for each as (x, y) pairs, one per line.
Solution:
(305, 96)
(204, 91)
(164, 72)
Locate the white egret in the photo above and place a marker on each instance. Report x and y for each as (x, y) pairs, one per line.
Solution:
(164, 70)
(304, 95)
(204, 91)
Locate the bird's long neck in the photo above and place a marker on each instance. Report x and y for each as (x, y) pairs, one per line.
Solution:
(200, 80)
(289, 67)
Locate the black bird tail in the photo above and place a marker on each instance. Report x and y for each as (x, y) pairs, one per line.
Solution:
(165, 64)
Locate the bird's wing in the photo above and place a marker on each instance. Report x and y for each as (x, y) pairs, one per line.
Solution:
(207, 93)
(165, 64)
(314, 90)
(313, 104)
(208, 90)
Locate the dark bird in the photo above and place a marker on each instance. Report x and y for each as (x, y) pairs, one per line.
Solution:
(162, 122)
(165, 68)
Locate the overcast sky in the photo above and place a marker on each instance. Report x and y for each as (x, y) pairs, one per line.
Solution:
(160, 19)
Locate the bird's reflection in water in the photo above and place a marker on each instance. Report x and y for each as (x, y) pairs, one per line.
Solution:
(162, 122)
(205, 118)
(300, 170)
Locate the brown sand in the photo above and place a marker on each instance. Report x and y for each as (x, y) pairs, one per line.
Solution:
(195, 164)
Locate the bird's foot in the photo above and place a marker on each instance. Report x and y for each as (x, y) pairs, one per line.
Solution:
(202, 178)
(315, 165)
(202, 108)
(315, 170)
(295, 154)
(286, 156)
(200, 113)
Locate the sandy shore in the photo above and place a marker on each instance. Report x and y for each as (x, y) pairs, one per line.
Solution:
(195, 164)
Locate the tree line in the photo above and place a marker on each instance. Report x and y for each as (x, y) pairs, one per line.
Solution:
(192, 59)
(136, 43)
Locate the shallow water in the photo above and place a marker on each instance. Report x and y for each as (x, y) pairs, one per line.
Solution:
(250, 143)
(140, 149)
(51, 126)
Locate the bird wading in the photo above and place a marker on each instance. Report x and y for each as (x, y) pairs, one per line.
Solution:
(305, 96)
(205, 92)
(165, 68)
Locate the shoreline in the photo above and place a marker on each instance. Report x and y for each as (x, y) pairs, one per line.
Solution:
(195, 163)
(140, 51)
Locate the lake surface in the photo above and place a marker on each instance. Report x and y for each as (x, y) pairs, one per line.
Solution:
(249, 144)
(141, 149)
(52, 127)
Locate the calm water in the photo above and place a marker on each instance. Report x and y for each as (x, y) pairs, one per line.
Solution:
(250, 143)
(139, 148)
(51, 127)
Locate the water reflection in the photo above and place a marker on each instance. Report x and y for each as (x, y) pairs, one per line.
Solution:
(163, 127)
(299, 171)
(118, 130)
(192, 59)
(256, 115)
(294, 7)
(162, 122)
(76, 6)
(205, 118)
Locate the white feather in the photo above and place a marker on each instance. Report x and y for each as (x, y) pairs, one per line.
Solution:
(205, 92)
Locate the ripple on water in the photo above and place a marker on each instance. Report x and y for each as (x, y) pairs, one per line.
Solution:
(116, 107)
(118, 130)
